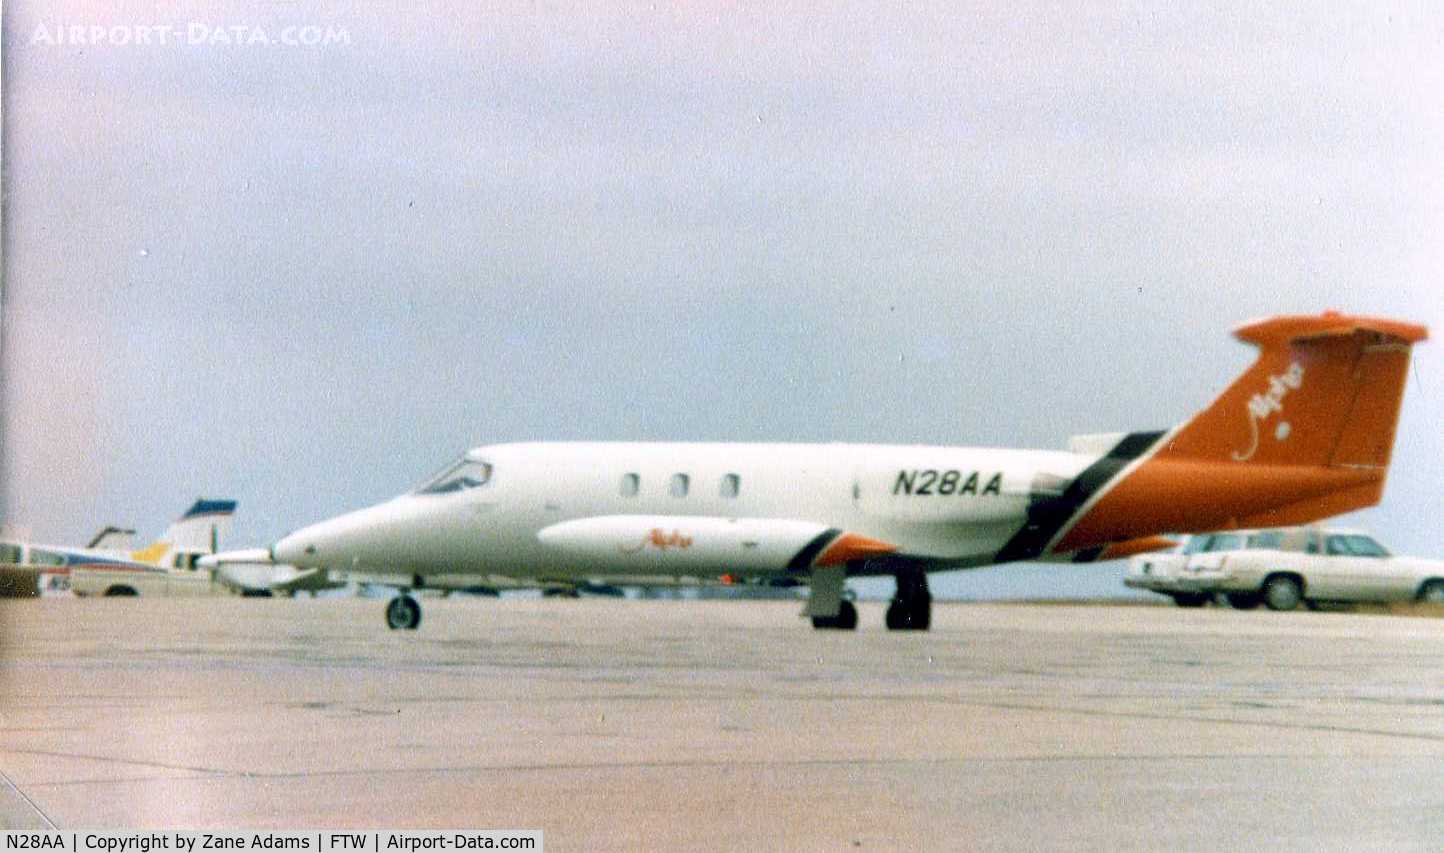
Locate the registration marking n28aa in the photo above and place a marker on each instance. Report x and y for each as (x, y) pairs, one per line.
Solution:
(931, 481)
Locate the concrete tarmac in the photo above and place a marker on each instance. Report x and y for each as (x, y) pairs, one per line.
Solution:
(621, 725)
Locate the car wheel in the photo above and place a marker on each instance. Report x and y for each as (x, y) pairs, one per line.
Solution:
(1282, 592)
(1433, 592)
(1242, 600)
(1190, 599)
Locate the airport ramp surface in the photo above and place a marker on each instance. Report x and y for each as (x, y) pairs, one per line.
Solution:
(620, 725)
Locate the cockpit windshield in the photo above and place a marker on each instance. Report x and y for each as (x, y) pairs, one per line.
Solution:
(466, 474)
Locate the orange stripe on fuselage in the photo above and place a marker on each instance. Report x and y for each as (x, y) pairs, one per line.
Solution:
(851, 546)
(1197, 495)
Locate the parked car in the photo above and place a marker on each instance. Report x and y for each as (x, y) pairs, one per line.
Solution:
(1284, 568)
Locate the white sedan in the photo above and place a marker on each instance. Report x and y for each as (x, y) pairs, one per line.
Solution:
(1286, 567)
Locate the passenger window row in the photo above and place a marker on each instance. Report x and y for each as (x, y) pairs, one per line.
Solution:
(730, 486)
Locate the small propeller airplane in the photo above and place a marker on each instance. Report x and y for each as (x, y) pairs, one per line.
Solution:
(1304, 433)
(108, 565)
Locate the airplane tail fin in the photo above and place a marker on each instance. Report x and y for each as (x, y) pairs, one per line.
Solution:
(113, 538)
(1324, 391)
(202, 528)
(1305, 433)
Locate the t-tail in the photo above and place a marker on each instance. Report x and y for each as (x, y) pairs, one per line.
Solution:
(200, 531)
(1305, 433)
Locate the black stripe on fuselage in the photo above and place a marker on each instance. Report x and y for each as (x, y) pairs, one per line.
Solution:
(803, 561)
(1047, 517)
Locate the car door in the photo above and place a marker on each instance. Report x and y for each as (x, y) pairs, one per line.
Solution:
(1382, 578)
(1352, 576)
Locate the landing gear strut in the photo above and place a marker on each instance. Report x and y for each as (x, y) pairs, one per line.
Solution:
(826, 605)
(403, 613)
(912, 607)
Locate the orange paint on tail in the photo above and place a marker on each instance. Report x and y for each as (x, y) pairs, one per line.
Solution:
(1306, 432)
(1145, 545)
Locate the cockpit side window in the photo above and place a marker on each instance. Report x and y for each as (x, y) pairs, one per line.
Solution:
(466, 474)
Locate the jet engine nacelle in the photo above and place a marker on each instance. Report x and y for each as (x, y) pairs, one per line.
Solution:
(653, 544)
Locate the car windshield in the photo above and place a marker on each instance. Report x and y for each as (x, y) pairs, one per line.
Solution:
(1355, 546)
(466, 474)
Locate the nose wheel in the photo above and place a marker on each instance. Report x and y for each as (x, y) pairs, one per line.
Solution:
(403, 613)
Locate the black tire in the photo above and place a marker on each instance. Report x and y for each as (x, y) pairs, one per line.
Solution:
(1282, 593)
(121, 592)
(403, 613)
(1190, 599)
(1432, 592)
(1242, 600)
(845, 620)
(908, 616)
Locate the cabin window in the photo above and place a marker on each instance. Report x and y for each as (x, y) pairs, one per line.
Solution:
(46, 558)
(679, 485)
(731, 485)
(9, 553)
(631, 484)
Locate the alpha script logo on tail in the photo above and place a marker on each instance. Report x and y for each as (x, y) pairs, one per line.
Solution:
(1262, 405)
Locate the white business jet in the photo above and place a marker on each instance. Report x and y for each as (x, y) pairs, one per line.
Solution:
(1306, 432)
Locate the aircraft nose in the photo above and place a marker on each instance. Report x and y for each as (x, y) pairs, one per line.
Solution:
(373, 536)
(291, 550)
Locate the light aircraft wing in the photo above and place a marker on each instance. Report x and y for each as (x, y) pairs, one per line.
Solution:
(252, 570)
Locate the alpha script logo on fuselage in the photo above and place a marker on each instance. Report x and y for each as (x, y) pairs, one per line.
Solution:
(1262, 405)
(659, 539)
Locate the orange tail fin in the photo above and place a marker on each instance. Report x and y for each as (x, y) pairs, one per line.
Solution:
(1305, 433)
(1324, 391)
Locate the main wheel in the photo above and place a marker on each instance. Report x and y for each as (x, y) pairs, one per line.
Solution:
(1282, 592)
(908, 615)
(845, 620)
(1432, 592)
(1242, 600)
(403, 613)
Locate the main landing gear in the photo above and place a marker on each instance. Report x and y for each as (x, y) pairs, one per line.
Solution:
(912, 607)
(403, 613)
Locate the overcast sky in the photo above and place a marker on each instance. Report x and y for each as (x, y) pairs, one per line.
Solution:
(305, 276)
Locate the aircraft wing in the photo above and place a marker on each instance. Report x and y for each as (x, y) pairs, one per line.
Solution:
(253, 570)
